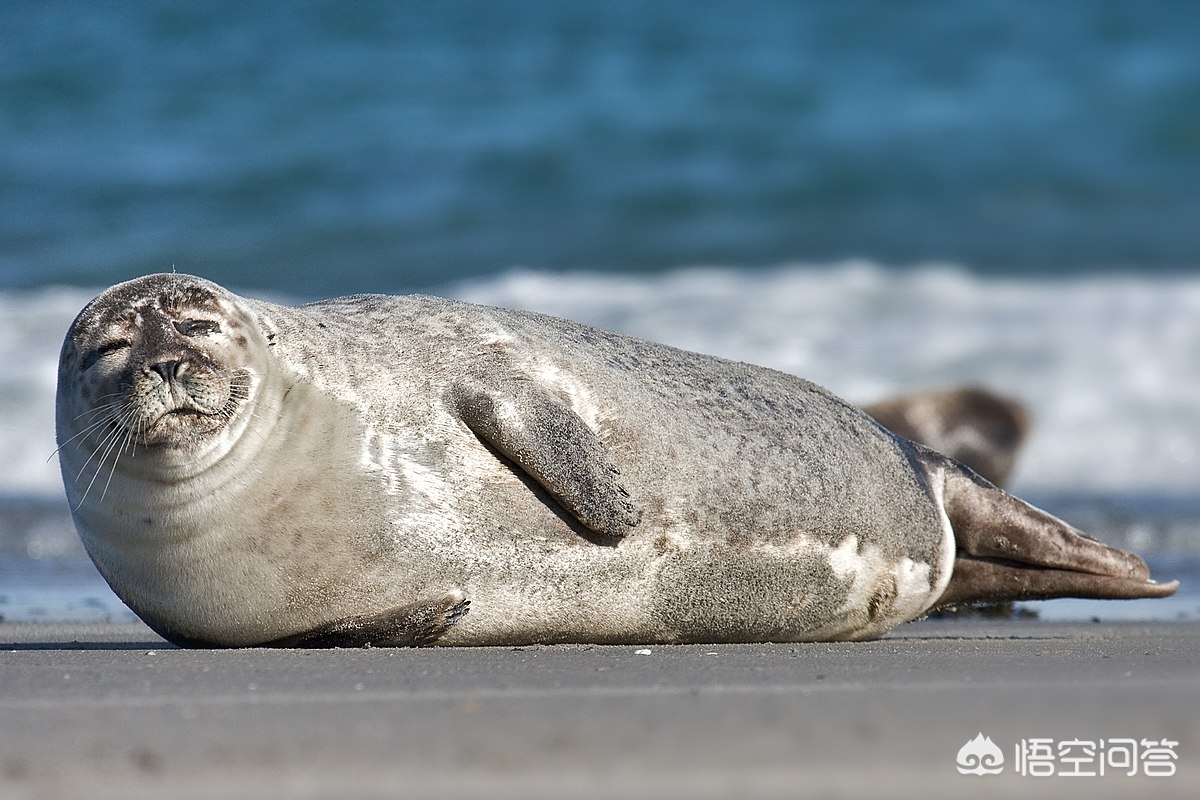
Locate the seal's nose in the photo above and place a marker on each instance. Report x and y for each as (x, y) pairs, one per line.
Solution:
(168, 370)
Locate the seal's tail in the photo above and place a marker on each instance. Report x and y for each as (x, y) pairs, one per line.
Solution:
(1009, 550)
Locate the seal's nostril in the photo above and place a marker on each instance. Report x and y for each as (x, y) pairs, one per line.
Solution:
(167, 370)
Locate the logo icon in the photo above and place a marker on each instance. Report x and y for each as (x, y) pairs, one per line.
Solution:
(980, 757)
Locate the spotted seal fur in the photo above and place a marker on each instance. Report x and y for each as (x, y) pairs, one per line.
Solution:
(356, 471)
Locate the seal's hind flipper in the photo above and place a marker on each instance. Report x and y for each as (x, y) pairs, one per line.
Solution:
(981, 580)
(554, 446)
(1008, 550)
(413, 625)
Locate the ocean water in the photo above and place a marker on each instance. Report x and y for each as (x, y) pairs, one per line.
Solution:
(383, 146)
(878, 196)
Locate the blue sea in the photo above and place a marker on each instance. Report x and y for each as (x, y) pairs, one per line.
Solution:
(880, 196)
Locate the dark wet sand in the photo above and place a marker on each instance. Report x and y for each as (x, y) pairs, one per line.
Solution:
(112, 711)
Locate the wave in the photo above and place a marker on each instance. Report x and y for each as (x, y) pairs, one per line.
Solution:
(1107, 365)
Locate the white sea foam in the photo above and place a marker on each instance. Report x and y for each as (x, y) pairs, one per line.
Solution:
(1108, 365)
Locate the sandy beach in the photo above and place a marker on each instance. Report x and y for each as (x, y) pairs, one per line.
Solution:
(110, 710)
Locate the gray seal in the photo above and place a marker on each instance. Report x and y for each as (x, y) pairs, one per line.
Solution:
(356, 471)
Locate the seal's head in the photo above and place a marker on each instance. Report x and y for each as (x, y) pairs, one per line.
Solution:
(159, 369)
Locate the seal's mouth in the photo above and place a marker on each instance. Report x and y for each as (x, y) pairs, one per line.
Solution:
(181, 416)
(174, 427)
(182, 409)
(184, 424)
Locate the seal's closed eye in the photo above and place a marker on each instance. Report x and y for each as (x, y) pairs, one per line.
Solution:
(100, 352)
(197, 327)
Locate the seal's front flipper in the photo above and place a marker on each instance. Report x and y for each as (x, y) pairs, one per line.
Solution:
(1009, 550)
(413, 625)
(556, 448)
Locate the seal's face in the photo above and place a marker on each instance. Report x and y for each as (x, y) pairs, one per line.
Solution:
(159, 366)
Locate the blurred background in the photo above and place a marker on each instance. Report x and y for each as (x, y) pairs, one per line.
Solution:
(880, 196)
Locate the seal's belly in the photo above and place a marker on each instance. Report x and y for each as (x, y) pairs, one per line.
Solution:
(782, 568)
(678, 577)
(640, 592)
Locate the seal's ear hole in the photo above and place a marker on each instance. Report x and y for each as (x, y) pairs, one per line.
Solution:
(100, 352)
(197, 327)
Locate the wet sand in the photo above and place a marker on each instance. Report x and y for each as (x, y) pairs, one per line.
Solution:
(103, 711)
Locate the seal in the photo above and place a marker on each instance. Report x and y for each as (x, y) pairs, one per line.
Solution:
(974, 426)
(356, 471)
